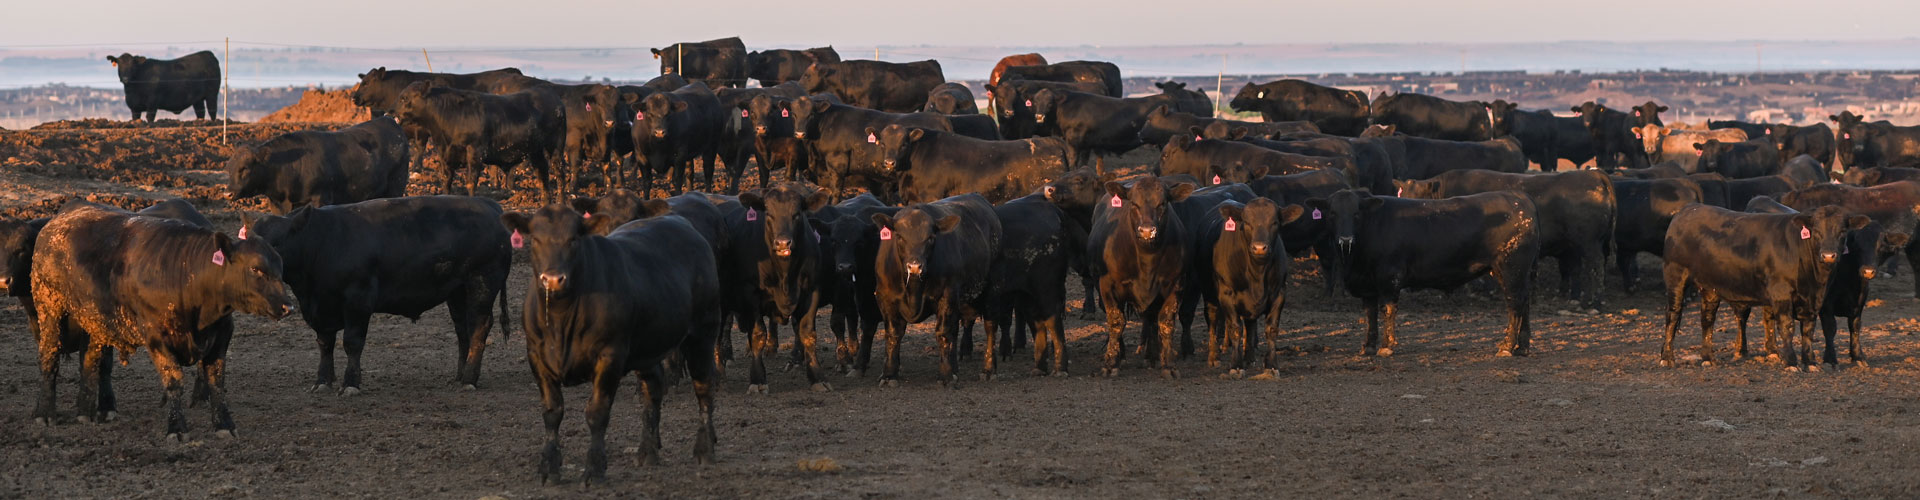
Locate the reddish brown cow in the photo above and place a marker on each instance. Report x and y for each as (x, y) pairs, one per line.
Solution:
(1014, 60)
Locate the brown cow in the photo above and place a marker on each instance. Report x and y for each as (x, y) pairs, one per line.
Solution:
(1014, 60)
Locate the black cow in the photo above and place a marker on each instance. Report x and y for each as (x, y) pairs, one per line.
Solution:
(399, 256)
(1713, 190)
(1846, 289)
(1012, 102)
(1546, 139)
(1422, 115)
(593, 112)
(1753, 130)
(776, 252)
(1612, 134)
(976, 125)
(1137, 253)
(1164, 123)
(1313, 231)
(1813, 140)
(1243, 261)
(880, 85)
(1090, 123)
(934, 165)
(1648, 114)
(473, 129)
(850, 239)
(150, 85)
(951, 99)
(1027, 280)
(1186, 101)
(1575, 213)
(739, 140)
(1874, 176)
(843, 153)
(777, 66)
(1643, 210)
(770, 126)
(1895, 206)
(115, 281)
(1104, 74)
(1193, 213)
(672, 129)
(1373, 166)
(600, 307)
(1783, 264)
(934, 260)
(1422, 158)
(380, 88)
(1197, 158)
(717, 63)
(1875, 144)
(1739, 160)
(1393, 244)
(317, 168)
(1334, 111)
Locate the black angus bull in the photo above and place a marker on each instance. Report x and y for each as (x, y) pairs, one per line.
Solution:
(1104, 74)
(1393, 244)
(1026, 287)
(1334, 111)
(848, 239)
(1422, 115)
(1739, 160)
(776, 260)
(1895, 206)
(1846, 297)
(1242, 265)
(380, 88)
(1874, 144)
(1373, 165)
(1643, 210)
(934, 165)
(1612, 134)
(1186, 101)
(472, 129)
(1012, 102)
(775, 146)
(1423, 158)
(1783, 264)
(841, 151)
(951, 99)
(399, 256)
(740, 139)
(718, 63)
(1546, 139)
(1163, 123)
(1574, 214)
(776, 66)
(1815, 140)
(1874, 176)
(934, 260)
(318, 168)
(671, 130)
(880, 85)
(1137, 255)
(114, 281)
(151, 85)
(600, 307)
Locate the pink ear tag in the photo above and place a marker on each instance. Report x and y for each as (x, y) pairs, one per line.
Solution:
(1230, 225)
(1316, 214)
(886, 234)
(243, 232)
(1845, 250)
(743, 113)
(783, 112)
(1115, 203)
(589, 106)
(1804, 233)
(1398, 192)
(639, 115)
(1848, 135)
(1216, 179)
(516, 240)
(219, 258)
(1029, 103)
(1198, 138)
(752, 214)
(871, 139)
(586, 215)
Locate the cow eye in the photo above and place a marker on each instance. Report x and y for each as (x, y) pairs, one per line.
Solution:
(258, 272)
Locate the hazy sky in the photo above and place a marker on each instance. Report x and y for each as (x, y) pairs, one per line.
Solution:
(647, 23)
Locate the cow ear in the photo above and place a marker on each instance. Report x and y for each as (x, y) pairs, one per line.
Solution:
(1855, 223)
(1217, 170)
(1258, 171)
(585, 205)
(515, 221)
(654, 208)
(679, 105)
(1661, 109)
(990, 88)
(1803, 220)
(947, 223)
(223, 243)
(601, 224)
(1833, 117)
(821, 105)
(883, 220)
(1232, 211)
(1197, 131)
(819, 199)
(873, 132)
(914, 134)
(1237, 133)
(1291, 213)
(630, 98)
(1320, 203)
(116, 61)
(752, 200)
(1179, 192)
(1160, 110)
(1116, 189)
(1371, 203)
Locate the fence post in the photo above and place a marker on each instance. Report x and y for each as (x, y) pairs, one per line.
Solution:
(423, 55)
(226, 92)
(1219, 83)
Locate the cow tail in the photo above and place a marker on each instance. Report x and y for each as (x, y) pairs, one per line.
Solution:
(506, 320)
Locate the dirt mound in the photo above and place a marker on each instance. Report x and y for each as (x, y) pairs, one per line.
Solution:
(47, 207)
(320, 106)
(100, 123)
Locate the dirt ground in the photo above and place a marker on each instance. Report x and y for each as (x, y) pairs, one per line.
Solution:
(1589, 415)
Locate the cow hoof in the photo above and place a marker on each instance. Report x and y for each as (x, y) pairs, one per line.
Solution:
(347, 392)
(1813, 368)
(320, 387)
(1388, 351)
(1110, 372)
(1666, 363)
(756, 388)
(889, 382)
(822, 387)
(1234, 374)
(109, 416)
(469, 387)
(46, 421)
(986, 377)
(225, 434)
(1169, 373)
(1860, 363)
(1793, 369)
(1036, 372)
(1060, 374)
(1268, 374)
(177, 437)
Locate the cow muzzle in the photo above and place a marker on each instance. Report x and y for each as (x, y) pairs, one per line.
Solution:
(6, 283)
(1345, 242)
(1259, 249)
(1829, 257)
(783, 247)
(1039, 118)
(800, 135)
(913, 269)
(657, 134)
(1147, 233)
(759, 130)
(888, 163)
(843, 268)
(552, 282)
(1865, 273)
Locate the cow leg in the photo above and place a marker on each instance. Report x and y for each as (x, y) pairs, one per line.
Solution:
(1389, 312)
(150, 114)
(841, 321)
(1676, 281)
(698, 351)
(355, 341)
(1624, 259)
(325, 338)
(1217, 333)
(948, 336)
(87, 399)
(1515, 286)
(1593, 275)
(1116, 342)
(652, 391)
(1778, 317)
(176, 392)
(200, 110)
(1853, 341)
(1169, 307)
(1372, 305)
(1710, 311)
(870, 318)
(108, 403)
(1040, 348)
(47, 325)
(1272, 351)
(473, 321)
(554, 408)
(606, 384)
(1807, 356)
(213, 107)
(475, 163)
(805, 338)
(896, 327)
(213, 377)
(995, 328)
(1187, 307)
(760, 344)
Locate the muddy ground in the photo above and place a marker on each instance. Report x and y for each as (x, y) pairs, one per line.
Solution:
(1589, 415)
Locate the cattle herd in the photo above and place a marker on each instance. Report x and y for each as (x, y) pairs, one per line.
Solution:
(904, 201)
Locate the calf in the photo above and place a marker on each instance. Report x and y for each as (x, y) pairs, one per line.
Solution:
(1104, 74)
(1137, 252)
(600, 307)
(1547, 139)
(1090, 123)
(1612, 133)
(1421, 115)
(1784, 267)
(1186, 101)
(150, 85)
(934, 165)
(1813, 140)
(108, 279)
(836, 135)
(850, 238)
(1243, 259)
(318, 168)
(880, 85)
(1393, 244)
(1574, 210)
(1012, 103)
(1846, 289)
(774, 143)
(1738, 160)
(951, 99)
(934, 259)
(1163, 123)
(473, 129)
(777, 66)
(592, 110)
(1874, 176)
(717, 63)
(1671, 144)
(1333, 111)
(399, 256)
(738, 139)
(1421, 158)
(1895, 206)
(1643, 210)
(1027, 281)
(776, 252)
(672, 129)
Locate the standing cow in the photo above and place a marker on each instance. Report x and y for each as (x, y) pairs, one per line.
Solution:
(170, 84)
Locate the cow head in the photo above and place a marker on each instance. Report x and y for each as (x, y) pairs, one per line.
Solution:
(653, 116)
(367, 92)
(1499, 117)
(912, 234)
(945, 101)
(1590, 114)
(603, 102)
(896, 144)
(1146, 208)
(846, 236)
(619, 207)
(814, 79)
(1347, 208)
(1873, 244)
(553, 236)
(1651, 136)
(783, 210)
(1648, 114)
(765, 113)
(1850, 131)
(1250, 98)
(413, 104)
(128, 65)
(804, 111)
(1045, 102)
(1710, 153)
(1257, 225)
(670, 58)
(1425, 189)
(245, 173)
(1237, 173)
(16, 254)
(247, 274)
(1076, 192)
(1827, 227)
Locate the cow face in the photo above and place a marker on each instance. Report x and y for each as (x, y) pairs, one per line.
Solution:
(943, 102)
(249, 273)
(846, 236)
(1710, 153)
(128, 65)
(896, 144)
(241, 170)
(553, 236)
(1827, 227)
(1076, 191)
(1258, 225)
(16, 253)
(670, 58)
(1874, 244)
(1250, 98)
(1647, 114)
(1650, 137)
(814, 79)
(804, 111)
(1147, 206)
(412, 105)
(602, 102)
(653, 116)
(1237, 173)
(1045, 102)
(1499, 117)
(764, 112)
(619, 207)
(912, 233)
(1590, 114)
(1346, 208)
(783, 209)
(1416, 188)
